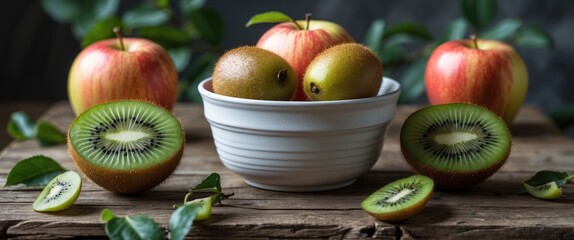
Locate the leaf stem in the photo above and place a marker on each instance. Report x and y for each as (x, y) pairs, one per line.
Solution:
(118, 33)
(474, 41)
(308, 19)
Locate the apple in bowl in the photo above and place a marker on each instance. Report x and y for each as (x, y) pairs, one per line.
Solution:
(300, 41)
(484, 72)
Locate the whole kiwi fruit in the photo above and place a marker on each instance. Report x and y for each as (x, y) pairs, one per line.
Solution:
(458, 145)
(344, 71)
(254, 73)
(126, 146)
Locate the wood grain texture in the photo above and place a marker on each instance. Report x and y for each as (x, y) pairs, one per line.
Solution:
(496, 208)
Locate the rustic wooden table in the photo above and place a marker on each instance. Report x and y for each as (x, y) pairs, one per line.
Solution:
(492, 210)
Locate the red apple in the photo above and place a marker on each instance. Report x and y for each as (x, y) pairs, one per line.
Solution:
(300, 43)
(128, 68)
(484, 72)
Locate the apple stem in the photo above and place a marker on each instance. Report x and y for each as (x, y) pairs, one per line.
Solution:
(308, 19)
(296, 24)
(118, 33)
(474, 41)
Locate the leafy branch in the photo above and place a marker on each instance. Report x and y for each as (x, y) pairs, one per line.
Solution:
(408, 65)
(185, 28)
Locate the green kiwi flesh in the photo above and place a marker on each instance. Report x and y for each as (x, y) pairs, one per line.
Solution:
(60, 193)
(400, 199)
(126, 146)
(204, 204)
(458, 145)
(546, 191)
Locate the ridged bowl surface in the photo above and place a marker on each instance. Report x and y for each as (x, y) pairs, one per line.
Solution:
(299, 146)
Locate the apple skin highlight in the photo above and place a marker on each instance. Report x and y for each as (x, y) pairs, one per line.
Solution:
(102, 72)
(492, 75)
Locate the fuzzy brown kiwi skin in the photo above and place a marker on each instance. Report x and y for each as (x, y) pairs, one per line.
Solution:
(127, 181)
(452, 181)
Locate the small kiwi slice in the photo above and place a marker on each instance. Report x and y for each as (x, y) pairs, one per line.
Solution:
(400, 199)
(457, 145)
(126, 146)
(546, 191)
(204, 207)
(60, 193)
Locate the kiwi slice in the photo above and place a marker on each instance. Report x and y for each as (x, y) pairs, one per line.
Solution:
(126, 146)
(60, 193)
(457, 145)
(204, 207)
(400, 199)
(546, 191)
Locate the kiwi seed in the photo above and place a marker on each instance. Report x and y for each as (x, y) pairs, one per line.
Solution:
(458, 145)
(126, 146)
(400, 199)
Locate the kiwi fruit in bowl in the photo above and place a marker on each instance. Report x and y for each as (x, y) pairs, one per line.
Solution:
(458, 145)
(126, 146)
(400, 199)
(254, 73)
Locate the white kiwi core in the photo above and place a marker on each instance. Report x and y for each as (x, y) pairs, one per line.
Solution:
(400, 195)
(454, 138)
(126, 136)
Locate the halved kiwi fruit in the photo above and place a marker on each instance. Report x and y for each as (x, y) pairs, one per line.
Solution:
(546, 191)
(457, 145)
(60, 193)
(126, 146)
(400, 199)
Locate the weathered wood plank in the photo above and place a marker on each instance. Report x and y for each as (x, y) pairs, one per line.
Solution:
(493, 209)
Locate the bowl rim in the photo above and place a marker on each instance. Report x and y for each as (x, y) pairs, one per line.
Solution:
(212, 95)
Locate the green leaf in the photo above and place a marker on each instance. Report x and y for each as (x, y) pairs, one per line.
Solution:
(533, 37)
(478, 12)
(162, 3)
(49, 135)
(564, 116)
(268, 17)
(200, 70)
(209, 24)
(455, 30)
(505, 29)
(65, 11)
(546, 176)
(412, 81)
(21, 126)
(102, 29)
(213, 181)
(181, 221)
(392, 51)
(187, 6)
(375, 33)
(81, 14)
(107, 215)
(34, 171)
(166, 36)
(409, 28)
(144, 17)
(133, 227)
(180, 56)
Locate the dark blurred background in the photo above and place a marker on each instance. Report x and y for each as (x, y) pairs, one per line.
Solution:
(37, 51)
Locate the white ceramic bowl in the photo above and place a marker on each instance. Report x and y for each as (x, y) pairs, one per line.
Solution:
(299, 146)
